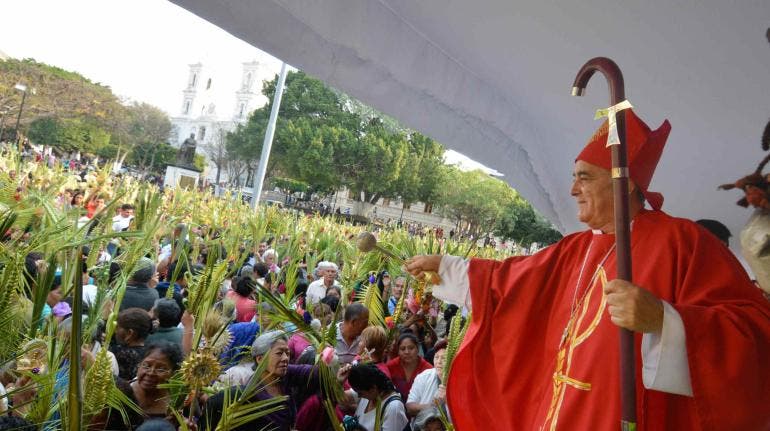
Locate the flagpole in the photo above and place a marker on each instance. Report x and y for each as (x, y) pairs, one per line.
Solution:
(614, 78)
(267, 144)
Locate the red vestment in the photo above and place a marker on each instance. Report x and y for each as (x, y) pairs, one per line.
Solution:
(504, 376)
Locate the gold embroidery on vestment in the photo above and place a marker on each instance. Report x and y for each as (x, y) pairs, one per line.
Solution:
(561, 378)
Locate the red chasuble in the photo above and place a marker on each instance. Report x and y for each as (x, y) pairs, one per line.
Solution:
(542, 353)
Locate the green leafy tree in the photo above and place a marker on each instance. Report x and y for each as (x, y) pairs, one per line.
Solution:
(328, 140)
(58, 93)
(71, 134)
(476, 199)
(521, 223)
(147, 129)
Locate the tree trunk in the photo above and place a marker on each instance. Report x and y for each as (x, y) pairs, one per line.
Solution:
(374, 198)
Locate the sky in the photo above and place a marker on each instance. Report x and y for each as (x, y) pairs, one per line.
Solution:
(140, 48)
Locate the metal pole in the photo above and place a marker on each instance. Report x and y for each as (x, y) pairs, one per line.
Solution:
(614, 78)
(268, 142)
(18, 118)
(75, 390)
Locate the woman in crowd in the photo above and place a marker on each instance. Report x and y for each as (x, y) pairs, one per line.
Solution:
(278, 379)
(373, 386)
(241, 295)
(322, 316)
(373, 342)
(158, 364)
(428, 388)
(134, 324)
(407, 365)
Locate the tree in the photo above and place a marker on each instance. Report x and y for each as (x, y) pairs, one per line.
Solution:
(476, 199)
(147, 130)
(521, 223)
(373, 162)
(216, 150)
(162, 154)
(58, 93)
(72, 134)
(328, 140)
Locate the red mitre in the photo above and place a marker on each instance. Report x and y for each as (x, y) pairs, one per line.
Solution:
(644, 148)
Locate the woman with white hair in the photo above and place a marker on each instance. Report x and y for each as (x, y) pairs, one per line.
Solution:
(270, 257)
(279, 378)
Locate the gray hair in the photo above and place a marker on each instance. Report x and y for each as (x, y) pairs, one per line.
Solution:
(426, 416)
(144, 270)
(266, 341)
(270, 252)
(325, 264)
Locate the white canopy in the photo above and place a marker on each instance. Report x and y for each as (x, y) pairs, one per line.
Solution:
(492, 79)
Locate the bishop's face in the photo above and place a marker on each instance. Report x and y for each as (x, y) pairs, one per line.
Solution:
(592, 189)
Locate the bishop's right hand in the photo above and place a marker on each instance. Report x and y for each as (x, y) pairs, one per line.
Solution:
(419, 265)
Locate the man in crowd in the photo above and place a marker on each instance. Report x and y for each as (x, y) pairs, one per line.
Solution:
(542, 349)
(120, 223)
(138, 292)
(167, 313)
(328, 278)
(355, 320)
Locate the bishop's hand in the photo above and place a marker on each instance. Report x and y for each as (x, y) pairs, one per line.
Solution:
(419, 265)
(633, 308)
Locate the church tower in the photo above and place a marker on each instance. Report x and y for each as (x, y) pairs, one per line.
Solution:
(193, 81)
(247, 90)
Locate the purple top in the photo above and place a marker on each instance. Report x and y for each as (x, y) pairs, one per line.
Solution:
(297, 377)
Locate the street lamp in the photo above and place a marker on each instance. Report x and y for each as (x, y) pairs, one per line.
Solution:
(23, 89)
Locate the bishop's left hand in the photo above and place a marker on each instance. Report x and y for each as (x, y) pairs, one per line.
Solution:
(633, 308)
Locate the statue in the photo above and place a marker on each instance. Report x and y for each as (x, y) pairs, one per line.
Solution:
(186, 154)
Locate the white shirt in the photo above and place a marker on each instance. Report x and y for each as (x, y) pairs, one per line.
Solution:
(3, 400)
(424, 387)
(664, 356)
(393, 418)
(317, 290)
(119, 223)
(239, 374)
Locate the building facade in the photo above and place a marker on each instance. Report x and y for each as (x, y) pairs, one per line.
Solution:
(214, 102)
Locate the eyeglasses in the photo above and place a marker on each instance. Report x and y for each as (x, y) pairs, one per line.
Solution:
(158, 371)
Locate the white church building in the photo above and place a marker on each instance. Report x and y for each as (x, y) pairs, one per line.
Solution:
(214, 101)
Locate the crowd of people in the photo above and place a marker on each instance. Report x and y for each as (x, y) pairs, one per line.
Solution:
(387, 346)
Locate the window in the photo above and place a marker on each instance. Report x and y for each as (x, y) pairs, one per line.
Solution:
(201, 133)
(186, 107)
(247, 82)
(208, 84)
(194, 80)
(241, 109)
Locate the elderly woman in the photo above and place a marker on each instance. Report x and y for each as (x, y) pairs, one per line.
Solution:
(158, 364)
(428, 388)
(372, 385)
(134, 325)
(407, 365)
(279, 378)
